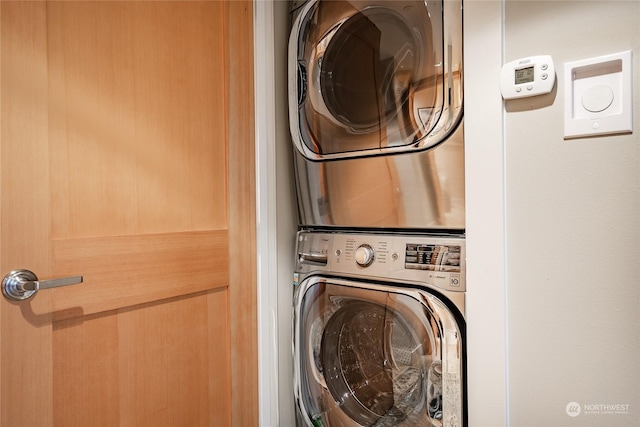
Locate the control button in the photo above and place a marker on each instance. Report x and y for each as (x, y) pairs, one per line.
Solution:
(518, 89)
(544, 66)
(364, 255)
(394, 256)
(544, 76)
(530, 87)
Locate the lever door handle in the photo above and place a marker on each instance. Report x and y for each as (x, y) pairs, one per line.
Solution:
(20, 285)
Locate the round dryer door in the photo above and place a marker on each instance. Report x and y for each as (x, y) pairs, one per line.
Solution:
(374, 355)
(370, 77)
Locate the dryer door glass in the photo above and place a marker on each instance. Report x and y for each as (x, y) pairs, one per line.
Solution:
(377, 357)
(374, 76)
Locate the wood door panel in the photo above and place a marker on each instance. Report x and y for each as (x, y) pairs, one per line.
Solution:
(86, 380)
(129, 270)
(136, 117)
(144, 382)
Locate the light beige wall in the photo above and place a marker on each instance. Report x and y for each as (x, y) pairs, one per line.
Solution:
(573, 230)
(484, 176)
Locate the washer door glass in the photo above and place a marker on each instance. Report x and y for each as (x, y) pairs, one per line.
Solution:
(375, 357)
(373, 76)
(370, 364)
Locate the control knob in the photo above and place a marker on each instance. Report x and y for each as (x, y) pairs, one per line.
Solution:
(364, 255)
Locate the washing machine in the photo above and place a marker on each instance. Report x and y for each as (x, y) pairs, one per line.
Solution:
(376, 113)
(379, 330)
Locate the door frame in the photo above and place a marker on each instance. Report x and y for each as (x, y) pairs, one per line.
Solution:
(241, 191)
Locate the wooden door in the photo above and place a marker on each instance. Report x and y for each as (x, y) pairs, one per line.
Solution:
(127, 158)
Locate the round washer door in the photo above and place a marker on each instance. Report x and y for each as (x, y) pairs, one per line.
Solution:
(372, 77)
(376, 355)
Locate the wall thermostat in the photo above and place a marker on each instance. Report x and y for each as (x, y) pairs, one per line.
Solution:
(525, 77)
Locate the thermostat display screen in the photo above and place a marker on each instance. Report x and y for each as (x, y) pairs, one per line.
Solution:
(524, 75)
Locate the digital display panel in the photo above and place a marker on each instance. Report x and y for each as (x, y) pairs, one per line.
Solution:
(524, 75)
(432, 257)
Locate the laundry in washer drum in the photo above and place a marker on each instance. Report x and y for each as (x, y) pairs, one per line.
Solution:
(378, 369)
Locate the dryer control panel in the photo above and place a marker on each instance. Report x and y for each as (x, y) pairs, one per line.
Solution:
(418, 259)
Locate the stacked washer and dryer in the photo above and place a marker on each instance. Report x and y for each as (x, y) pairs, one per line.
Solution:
(375, 110)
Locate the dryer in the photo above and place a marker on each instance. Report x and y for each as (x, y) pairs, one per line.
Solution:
(379, 330)
(375, 112)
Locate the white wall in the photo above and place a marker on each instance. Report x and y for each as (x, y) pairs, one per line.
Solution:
(484, 176)
(573, 230)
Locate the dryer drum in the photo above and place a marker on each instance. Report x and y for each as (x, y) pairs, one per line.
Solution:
(363, 85)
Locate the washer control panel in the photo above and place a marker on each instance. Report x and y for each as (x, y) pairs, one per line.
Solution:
(436, 260)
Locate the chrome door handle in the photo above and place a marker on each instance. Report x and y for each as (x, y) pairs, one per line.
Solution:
(20, 285)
